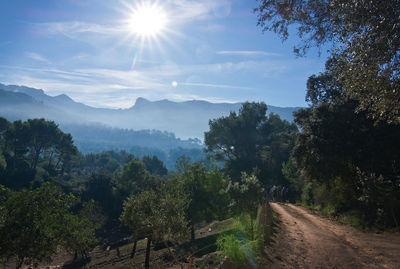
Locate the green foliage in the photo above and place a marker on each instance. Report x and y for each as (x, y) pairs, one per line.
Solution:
(104, 162)
(352, 218)
(139, 212)
(79, 234)
(234, 249)
(155, 166)
(353, 160)
(251, 229)
(133, 178)
(100, 188)
(3, 164)
(160, 214)
(36, 221)
(206, 190)
(250, 141)
(365, 40)
(246, 195)
(307, 194)
(291, 173)
(28, 145)
(243, 243)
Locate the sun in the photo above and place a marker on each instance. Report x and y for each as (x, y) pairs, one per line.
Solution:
(148, 20)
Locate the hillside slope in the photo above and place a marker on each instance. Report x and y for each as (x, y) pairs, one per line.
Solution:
(185, 119)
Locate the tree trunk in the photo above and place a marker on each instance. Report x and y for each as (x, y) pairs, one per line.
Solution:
(19, 263)
(36, 157)
(172, 254)
(190, 262)
(192, 232)
(395, 219)
(147, 261)
(133, 252)
(252, 228)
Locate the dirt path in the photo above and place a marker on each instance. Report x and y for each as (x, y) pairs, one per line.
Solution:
(307, 240)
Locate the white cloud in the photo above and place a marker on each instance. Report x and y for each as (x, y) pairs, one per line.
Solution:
(36, 57)
(106, 87)
(251, 53)
(223, 86)
(184, 11)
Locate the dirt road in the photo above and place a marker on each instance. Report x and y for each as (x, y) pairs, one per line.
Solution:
(307, 240)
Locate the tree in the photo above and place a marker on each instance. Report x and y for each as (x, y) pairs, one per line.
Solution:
(78, 236)
(154, 214)
(32, 144)
(65, 152)
(133, 178)
(104, 163)
(347, 147)
(291, 172)
(18, 173)
(236, 137)
(100, 188)
(208, 199)
(348, 152)
(364, 36)
(43, 135)
(155, 166)
(251, 142)
(246, 196)
(35, 222)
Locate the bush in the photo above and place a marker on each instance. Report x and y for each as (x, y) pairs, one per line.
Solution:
(238, 244)
(307, 194)
(352, 218)
(239, 250)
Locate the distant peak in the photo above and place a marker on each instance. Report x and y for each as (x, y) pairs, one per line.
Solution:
(141, 100)
(63, 97)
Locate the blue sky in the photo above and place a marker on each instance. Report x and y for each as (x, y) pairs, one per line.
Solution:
(208, 50)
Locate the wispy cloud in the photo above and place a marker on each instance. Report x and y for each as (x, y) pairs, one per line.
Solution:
(117, 88)
(77, 29)
(251, 53)
(185, 10)
(37, 57)
(223, 86)
(181, 12)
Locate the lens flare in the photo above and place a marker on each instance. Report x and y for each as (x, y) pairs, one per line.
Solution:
(134, 61)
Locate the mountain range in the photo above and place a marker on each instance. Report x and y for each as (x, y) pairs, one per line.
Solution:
(185, 119)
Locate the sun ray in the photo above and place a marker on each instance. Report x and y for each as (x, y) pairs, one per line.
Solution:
(148, 30)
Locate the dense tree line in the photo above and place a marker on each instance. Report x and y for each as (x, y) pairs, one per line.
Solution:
(346, 157)
(164, 145)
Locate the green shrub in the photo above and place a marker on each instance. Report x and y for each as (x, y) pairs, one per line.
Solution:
(352, 218)
(232, 247)
(307, 194)
(251, 229)
(243, 243)
(329, 210)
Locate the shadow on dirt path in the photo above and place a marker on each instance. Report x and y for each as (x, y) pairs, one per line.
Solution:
(308, 240)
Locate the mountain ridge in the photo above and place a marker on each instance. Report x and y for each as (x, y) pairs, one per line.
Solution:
(187, 119)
